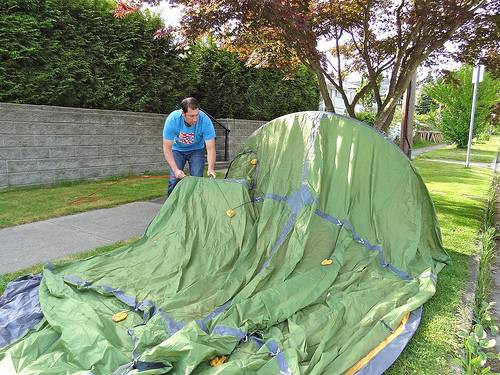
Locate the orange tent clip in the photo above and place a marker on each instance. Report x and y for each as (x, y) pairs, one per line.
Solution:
(218, 360)
(119, 316)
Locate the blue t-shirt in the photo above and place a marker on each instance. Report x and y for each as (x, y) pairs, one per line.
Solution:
(188, 138)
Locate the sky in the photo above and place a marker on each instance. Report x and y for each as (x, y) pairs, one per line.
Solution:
(171, 16)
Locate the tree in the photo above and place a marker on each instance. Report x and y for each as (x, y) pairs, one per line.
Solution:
(479, 40)
(221, 85)
(270, 95)
(375, 37)
(227, 87)
(425, 104)
(454, 93)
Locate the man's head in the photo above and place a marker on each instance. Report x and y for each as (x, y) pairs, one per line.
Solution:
(190, 110)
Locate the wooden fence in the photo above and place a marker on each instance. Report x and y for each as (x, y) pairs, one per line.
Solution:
(428, 135)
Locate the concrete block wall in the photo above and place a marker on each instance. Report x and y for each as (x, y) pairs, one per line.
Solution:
(220, 135)
(44, 144)
(240, 131)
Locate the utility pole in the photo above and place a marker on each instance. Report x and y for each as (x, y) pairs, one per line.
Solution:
(477, 76)
(406, 142)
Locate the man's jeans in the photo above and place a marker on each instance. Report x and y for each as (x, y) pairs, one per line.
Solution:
(196, 160)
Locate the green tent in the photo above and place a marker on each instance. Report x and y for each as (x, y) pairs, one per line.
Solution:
(313, 256)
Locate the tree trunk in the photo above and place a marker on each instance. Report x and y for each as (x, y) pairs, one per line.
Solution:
(323, 89)
(406, 140)
(350, 109)
(384, 118)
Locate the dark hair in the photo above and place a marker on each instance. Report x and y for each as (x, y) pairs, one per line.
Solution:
(189, 103)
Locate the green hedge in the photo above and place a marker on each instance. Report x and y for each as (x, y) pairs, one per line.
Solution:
(75, 53)
(230, 89)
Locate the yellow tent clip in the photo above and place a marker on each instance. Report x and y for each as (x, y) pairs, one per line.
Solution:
(119, 316)
(218, 360)
(326, 262)
(253, 161)
(230, 212)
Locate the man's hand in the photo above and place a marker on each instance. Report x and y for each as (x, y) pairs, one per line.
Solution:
(179, 174)
(210, 144)
(211, 173)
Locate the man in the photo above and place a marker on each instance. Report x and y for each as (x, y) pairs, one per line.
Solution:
(186, 133)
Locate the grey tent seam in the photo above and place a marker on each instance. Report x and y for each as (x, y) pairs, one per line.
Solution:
(296, 201)
(276, 352)
(147, 307)
(403, 275)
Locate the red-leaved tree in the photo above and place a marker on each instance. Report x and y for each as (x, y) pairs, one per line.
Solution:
(375, 38)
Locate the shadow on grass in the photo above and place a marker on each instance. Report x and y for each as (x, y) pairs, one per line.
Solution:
(458, 215)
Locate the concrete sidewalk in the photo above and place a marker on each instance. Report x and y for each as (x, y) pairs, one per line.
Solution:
(24, 245)
(472, 164)
(421, 150)
(415, 153)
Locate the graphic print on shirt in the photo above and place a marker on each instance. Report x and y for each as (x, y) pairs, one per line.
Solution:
(186, 138)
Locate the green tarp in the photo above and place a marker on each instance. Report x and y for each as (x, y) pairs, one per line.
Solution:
(307, 188)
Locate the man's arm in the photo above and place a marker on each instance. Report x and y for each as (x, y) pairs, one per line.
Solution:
(211, 157)
(169, 157)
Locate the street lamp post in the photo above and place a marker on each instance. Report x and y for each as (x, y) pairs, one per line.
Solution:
(476, 78)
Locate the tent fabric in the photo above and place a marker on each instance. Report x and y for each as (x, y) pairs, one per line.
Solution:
(313, 251)
(390, 351)
(19, 308)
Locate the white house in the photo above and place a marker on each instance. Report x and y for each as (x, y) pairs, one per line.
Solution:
(338, 103)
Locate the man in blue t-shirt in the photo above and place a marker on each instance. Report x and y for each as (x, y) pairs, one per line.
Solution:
(186, 133)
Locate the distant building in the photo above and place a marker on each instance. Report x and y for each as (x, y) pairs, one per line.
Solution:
(338, 102)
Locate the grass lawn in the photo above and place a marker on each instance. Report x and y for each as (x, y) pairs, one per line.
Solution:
(458, 194)
(481, 152)
(26, 205)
